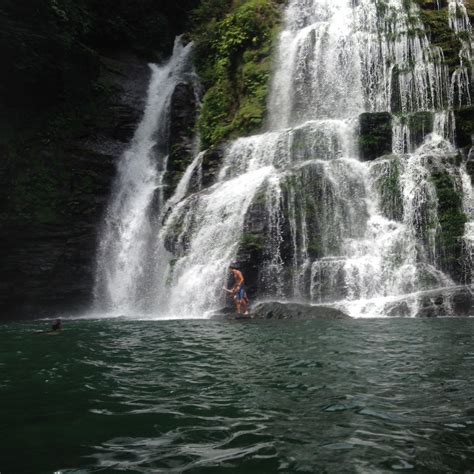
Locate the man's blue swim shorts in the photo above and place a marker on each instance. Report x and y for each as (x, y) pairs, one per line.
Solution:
(240, 293)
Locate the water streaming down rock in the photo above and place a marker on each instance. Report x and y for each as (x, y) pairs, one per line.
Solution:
(468, 206)
(460, 93)
(316, 33)
(203, 233)
(461, 86)
(322, 223)
(295, 206)
(191, 180)
(129, 233)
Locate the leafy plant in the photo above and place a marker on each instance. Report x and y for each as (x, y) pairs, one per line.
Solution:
(232, 59)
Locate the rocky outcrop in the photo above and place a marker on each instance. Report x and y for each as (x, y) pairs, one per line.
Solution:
(452, 220)
(375, 135)
(48, 255)
(182, 146)
(420, 125)
(457, 301)
(464, 127)
(470, 164)
(250, 255)
(432, 4)
(277, 311)
(211, 162)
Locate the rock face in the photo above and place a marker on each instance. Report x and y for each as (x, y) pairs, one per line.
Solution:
(49, 266)
(420, 125)
(251, 250)
(470, 164)
(181, 131)
(464, 127)
(458, 301)
(277, 311)
(432, 4)
(211, 162)
(375, 137)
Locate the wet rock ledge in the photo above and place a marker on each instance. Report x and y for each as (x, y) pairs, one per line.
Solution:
(278, 311)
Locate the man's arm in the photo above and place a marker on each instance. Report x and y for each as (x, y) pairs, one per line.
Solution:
(233, 289)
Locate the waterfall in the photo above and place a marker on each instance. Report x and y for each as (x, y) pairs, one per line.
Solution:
(348, 243)
(132, 220)
(324, 226)
(461, 79)
(468, 205)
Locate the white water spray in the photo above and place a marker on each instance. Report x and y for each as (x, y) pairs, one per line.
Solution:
(130, 226)
(330, 228)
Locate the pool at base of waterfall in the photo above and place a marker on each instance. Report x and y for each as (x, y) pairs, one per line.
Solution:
(339, 396)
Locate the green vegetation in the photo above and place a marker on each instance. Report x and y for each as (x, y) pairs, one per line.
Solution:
(437, 23)
(420, 123)
(233, 61)
(252, 243)
(56, 85)
(387, 182)
(452, 219)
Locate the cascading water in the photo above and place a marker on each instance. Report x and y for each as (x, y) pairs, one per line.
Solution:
(326, 226)
(132, 221)
(462, 76)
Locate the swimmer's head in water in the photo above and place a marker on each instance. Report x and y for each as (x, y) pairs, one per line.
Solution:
(56, 324)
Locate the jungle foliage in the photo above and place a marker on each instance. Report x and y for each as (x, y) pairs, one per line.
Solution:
(233, 50)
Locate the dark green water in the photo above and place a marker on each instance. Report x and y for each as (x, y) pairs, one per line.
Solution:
(171, 396)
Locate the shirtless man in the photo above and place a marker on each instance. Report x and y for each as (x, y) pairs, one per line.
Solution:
(238, 290)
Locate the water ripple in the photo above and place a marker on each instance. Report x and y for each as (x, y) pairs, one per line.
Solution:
(176, 396)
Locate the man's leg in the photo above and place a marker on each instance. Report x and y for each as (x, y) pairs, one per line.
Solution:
(237, 304)
(245, 303)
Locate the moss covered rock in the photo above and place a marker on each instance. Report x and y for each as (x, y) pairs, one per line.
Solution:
(452, 221)
(385, 173)
(420, 124)
(464, 127)
(375, 135)
(437, 24)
